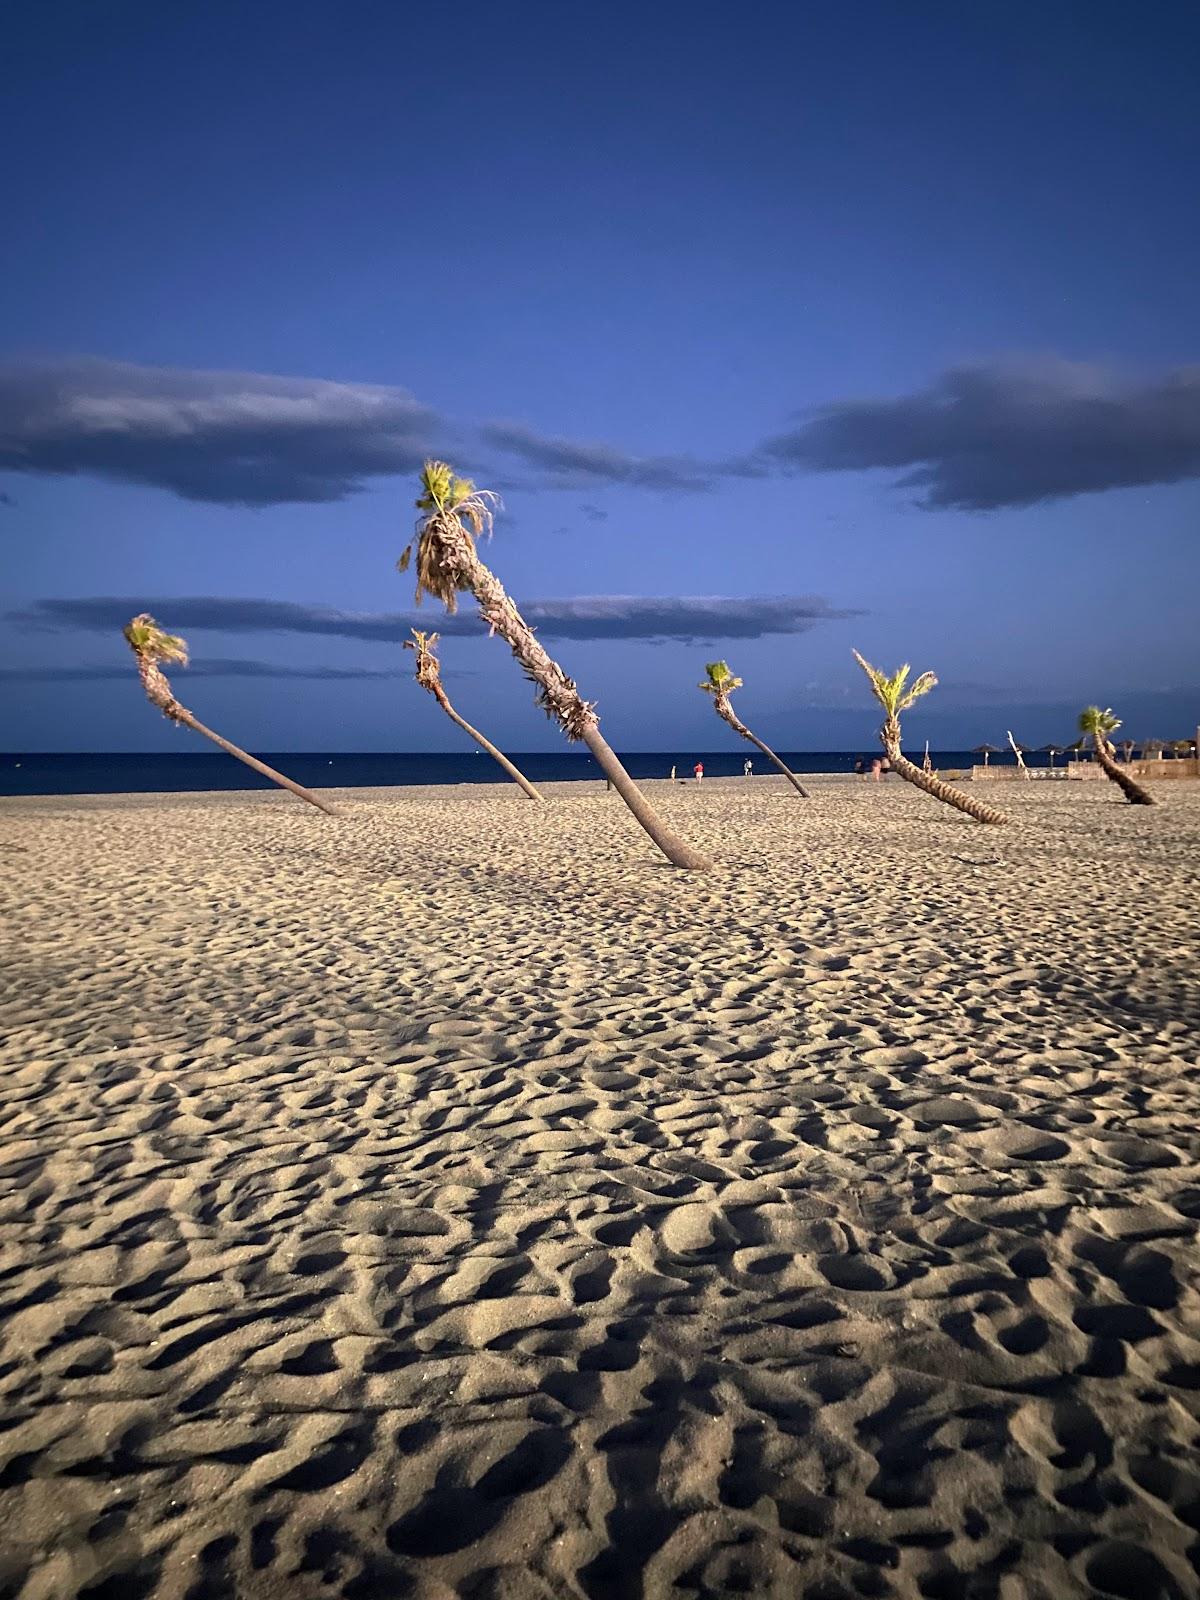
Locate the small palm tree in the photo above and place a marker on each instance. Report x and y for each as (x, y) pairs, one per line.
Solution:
(895, 695)
(454, 513)
(1099, 724)
(151, 646)
(429, 676)
(720, 683)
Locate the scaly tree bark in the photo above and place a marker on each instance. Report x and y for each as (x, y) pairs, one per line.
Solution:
(1100, 724)
(448, 564)
(151, 645)
(720, 683)
(429, 676)
(894, 697)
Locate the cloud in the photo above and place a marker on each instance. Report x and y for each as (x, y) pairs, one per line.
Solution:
(569, 462)
(989, 436)
(594, 513)
(256, 439)
(236, 438)
(675, 617)
(216, 668)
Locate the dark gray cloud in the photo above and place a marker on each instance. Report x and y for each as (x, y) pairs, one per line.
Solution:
(984, 437)
(216, 668)
(682, 617)
(250, 438)
(236, 438)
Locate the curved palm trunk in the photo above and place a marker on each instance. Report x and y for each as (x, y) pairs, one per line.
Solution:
(946, 792)
(1133, 792)
(517, 776)
(729, 715)
(559, 697)
(158, 692)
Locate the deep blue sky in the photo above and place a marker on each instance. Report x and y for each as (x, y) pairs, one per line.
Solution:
(773, 258)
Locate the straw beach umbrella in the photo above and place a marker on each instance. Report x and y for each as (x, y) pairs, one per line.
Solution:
(1052, 750)
(985, 750)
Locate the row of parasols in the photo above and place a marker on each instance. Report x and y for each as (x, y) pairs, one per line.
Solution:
(1147, 749)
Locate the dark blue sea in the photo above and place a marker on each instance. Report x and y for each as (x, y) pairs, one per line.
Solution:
(167, 774)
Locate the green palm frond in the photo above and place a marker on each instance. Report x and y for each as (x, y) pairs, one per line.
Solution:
(892, 692)
(452, 509)
(719, 679)
(147, 639)
(1093, 720)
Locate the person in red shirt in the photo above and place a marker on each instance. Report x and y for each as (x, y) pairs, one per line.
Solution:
(698, 769)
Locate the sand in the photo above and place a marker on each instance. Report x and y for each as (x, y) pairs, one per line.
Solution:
(452, 1200)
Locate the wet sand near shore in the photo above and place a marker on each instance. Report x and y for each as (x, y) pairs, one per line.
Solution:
(451, 1199)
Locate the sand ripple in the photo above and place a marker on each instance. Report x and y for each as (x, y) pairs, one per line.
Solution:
(451, 1201)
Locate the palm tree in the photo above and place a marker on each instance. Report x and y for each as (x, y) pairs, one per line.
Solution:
(429, 676)
(720, 683)
(454, 513)
(895, 695)
(1099, 724)
(151, 646)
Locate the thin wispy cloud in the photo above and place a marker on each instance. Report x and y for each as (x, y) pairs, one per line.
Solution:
(651, 618)
(574, 463)
(990, 436)
(216, 668)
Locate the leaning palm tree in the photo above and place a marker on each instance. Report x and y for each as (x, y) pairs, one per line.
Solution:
(720, 683)
(454, 513)
(895, 695)
(1099, 724)
(429, 676)
(151, 646)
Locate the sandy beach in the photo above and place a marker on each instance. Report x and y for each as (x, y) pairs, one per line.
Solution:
(452, 1200)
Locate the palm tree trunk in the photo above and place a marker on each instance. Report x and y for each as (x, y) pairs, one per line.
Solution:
(1133, 792)
(514, 773)
(945, 792)
(559, 698)
(158, 692)
(739, 727)
(189, 721)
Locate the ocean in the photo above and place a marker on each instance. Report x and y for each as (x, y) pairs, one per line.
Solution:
(169, 774)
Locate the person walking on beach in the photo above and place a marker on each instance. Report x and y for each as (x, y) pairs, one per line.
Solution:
(672, 774)
(698, 770)
(876, 768)
(748, 768)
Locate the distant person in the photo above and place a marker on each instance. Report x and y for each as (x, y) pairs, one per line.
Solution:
(698, 771)
(672, 774)
(748, 768)
(885, 766)
(876, 768)
(858, 767)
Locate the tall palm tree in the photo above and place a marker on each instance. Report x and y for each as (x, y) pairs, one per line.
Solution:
(151, 646)
(895, 695)
(429, 676)
(720, 683)
(454, 513)
(1099, 724)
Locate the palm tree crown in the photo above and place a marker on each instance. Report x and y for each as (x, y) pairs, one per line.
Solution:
(147, 639)
(719, 680)
(1094, 721)
(895, 694)
(447, 504)
(429, 668)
